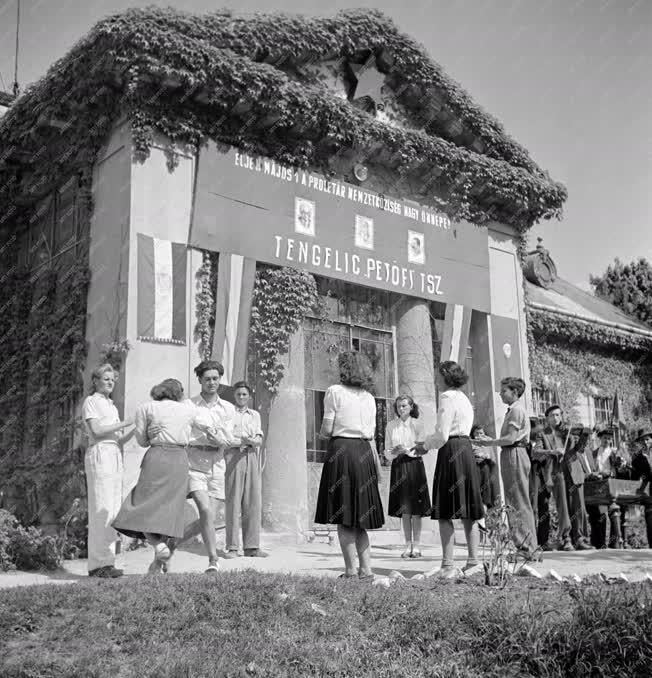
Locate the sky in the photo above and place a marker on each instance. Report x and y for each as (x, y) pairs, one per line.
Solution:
(569, 80)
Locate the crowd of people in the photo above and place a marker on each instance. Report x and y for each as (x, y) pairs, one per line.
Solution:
(536, 462)
(203, 448)
(208, 449)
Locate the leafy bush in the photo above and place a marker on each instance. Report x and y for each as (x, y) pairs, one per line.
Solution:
(26, 548)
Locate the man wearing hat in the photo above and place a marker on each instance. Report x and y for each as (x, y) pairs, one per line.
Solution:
(642, 470)
(600, 461)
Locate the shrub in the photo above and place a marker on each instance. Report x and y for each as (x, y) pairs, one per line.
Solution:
(26, 548)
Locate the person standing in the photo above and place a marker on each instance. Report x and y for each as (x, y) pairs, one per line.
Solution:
(642, 471)
(515, 466)
(206, 463)
(154, 509)
(408, 491)
(547, 457)
(489, 489)
(600, 466)
(456, 485)
(104, 470)
(348, 491)
(243, 478)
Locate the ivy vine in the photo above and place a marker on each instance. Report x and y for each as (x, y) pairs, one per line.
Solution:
(205, 302)
(282, 299)
(43, 331)
(582, 369)
(239, 81)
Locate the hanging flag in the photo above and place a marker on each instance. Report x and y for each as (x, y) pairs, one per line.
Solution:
(617, 421)
(162, 267)
(455, 336)
(234, 297)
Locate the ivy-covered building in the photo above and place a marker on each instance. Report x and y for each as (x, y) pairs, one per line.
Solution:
(266, 190)
(585, 351)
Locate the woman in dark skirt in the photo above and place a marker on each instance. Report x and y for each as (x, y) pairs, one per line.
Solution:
(348, 492)
(408, 488)
(154, 510)
(456, 485)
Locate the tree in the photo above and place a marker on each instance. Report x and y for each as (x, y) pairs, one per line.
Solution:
(627, 286)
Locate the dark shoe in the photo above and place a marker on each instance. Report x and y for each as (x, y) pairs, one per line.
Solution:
(548, 547)
(566, 546)
(255, 553)
(230, 554)
(583, 546)
(106, 572)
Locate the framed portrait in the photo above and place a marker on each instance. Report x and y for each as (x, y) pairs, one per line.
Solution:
(364, 232)
(304, 216)
(416, 247)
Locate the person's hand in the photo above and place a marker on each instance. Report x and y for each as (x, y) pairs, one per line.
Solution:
(558, 452)
(155, 429)
(419, 450)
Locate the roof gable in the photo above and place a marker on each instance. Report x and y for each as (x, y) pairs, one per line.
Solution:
(238, 80)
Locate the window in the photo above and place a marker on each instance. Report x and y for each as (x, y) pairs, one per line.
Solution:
(542, 399)
(359, 321)
(602, 410)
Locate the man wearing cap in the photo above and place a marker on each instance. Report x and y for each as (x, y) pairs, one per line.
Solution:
(547, 455)
(600, 461)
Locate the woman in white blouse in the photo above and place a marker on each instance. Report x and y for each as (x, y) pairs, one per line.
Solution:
(103, 466)
(456, 485)
(155, 508)
(408, 487)
(348, 491)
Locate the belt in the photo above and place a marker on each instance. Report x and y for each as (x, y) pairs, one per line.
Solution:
(352, 438)
(515, 447)
(203, 448)
(458, 437)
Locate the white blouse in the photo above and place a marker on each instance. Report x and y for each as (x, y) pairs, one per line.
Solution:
(404, 433)
(177, 420)
(101, 408)
(352, 411)
(454, 418)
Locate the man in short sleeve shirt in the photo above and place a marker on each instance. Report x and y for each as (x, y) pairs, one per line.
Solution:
(515, 465)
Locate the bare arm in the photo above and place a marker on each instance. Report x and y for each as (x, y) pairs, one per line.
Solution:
(101, 431)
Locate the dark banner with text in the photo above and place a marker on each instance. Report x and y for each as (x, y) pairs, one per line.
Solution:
(291, 217)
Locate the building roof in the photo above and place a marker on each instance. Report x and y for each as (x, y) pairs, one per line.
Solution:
(559, 308)
(241, 80)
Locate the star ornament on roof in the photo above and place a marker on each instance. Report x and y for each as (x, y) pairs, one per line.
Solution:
(367, 83)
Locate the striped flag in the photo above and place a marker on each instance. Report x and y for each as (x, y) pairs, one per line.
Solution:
(162, 267)
(235, 290)
(455, 336)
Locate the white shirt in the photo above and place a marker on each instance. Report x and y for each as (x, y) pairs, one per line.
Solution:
(403, 433)
(454, 418)
(352, 411)
(101, 408)
(176, 418)
(204, 453)
(246, 423)
(601, 459)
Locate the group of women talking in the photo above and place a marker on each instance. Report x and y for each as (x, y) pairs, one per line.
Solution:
(349, 494)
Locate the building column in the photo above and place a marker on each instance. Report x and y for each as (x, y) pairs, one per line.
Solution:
(416, 371)
(285, 476)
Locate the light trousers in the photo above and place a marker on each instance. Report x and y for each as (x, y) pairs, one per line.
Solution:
(243, 490)
(103, 465)
(515, 472)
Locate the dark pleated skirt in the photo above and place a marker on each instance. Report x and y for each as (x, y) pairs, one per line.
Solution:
(456, 485)
(348, 491)
(489, 489)
(408, 488)
(156, 504)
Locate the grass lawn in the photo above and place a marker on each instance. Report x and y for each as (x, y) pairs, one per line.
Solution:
(253, 624)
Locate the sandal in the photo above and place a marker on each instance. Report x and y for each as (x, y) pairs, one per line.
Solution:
(213, 568)
(407, 553)
(346, 576)
(416, 553)
(366, 577)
